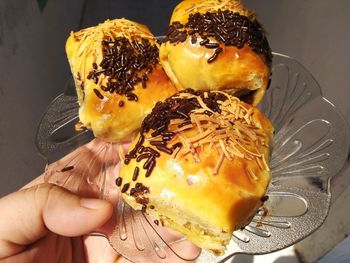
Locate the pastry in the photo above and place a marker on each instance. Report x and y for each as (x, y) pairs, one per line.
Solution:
(118, 77)
(199, 166)
(217, 45)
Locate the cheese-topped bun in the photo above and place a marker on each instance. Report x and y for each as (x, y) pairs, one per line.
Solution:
(118, 77)
(199, 166)
(217, 45)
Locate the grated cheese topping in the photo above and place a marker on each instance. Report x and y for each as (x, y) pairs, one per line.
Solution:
(232, 132)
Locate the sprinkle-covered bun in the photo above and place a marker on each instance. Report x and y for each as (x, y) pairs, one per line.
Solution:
(217, 45)
(118, 77)
(199, 165)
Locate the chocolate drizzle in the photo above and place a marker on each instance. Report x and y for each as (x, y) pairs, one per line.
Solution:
(227, 27)
(125, 63)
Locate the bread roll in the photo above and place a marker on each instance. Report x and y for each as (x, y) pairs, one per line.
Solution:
(217, 45)
(199, 166)
(118, 77)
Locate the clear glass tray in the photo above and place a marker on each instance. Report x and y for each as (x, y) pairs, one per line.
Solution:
(311, 145)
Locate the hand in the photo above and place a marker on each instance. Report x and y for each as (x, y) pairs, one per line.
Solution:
(45, 223)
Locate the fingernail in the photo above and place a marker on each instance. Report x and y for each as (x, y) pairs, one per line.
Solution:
(92, 203)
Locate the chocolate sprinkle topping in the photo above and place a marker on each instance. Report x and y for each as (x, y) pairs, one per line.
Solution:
(132, 191)
(140, 189)
(157, 123)
(139, 193)
(150, 168)
(98, 94)
(148, 162)
(224, 26)
(164, 149)
(143, 156)
(119, 181)
(264, 198)
(125, 187)
(136, 173)
(125, 63)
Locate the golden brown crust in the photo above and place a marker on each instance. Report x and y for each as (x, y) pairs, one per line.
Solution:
(182, 10)
(103, 115)
(202, 194)
(186, 63)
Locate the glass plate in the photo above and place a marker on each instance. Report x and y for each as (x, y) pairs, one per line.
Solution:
(311, 145)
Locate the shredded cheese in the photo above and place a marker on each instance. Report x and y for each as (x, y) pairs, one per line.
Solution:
(233, 132)
(251, 174)
(219, 163)
(89, 41)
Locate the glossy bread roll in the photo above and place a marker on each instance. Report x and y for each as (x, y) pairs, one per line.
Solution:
(217, 45)
(118, 77)
(199, 166)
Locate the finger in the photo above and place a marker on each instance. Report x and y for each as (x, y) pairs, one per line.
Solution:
(31, 213)
(51, 248)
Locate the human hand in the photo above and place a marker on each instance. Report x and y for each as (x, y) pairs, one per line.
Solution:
(84, 180)
(45, 223)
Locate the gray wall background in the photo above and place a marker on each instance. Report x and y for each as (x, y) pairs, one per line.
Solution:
(34, 69)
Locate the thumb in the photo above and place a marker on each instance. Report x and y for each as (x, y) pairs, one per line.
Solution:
(29, 214)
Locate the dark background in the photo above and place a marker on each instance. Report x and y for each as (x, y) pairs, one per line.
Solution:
(34, 68)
